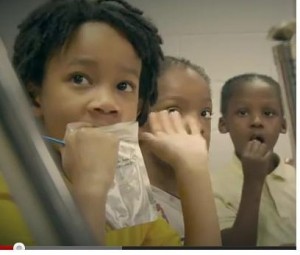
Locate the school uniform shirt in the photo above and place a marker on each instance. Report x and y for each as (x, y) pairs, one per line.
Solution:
(13, 228)
(170, 209)
(277, 212)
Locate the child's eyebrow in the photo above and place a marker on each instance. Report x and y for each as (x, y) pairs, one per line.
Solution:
(182, 99)
(85, 61)
(171, 97)
(206, 99)
(129, 69)
(250, 101)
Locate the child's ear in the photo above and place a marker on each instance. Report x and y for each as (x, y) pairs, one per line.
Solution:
(222, 126)
(34, 92)
(283, 126)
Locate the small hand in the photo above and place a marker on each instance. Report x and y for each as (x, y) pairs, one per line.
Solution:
(89, 155)
(256, 160)
(174, 142)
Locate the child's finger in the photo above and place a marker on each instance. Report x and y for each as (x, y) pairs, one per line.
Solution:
(166, 122)
(255, 147)
(263, 149)
(146, 136)
(193, 126)
(77, 125)
(177, 122)
(248, 148)
(71, 127)
(155, 123)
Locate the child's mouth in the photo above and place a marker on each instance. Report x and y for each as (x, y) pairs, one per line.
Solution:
(258, 138)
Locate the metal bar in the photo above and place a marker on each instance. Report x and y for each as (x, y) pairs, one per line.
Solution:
(52, 214)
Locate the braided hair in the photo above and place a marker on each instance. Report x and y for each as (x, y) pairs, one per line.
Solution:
(171, 61)
(47, 29)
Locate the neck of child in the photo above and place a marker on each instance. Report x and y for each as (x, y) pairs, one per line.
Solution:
(161, 175)
(275, 160)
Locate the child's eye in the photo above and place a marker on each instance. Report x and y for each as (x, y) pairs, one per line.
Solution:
(206, 114)
(269, 113)
(79, 79)
(125, 86)
(173, 109)
(242, 113)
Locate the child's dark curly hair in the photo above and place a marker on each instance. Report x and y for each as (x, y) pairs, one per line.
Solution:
(47, 29)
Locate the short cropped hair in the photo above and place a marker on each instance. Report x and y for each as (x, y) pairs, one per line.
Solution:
(240, 80)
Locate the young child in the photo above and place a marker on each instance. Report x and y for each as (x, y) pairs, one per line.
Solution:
(91, 64)
(183, 88)
(255, 192)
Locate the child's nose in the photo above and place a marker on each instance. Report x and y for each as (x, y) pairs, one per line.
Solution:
(103, 101)
(257, 121)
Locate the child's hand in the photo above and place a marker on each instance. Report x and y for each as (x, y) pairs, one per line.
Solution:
(89, 159)
(89, 156)
(174, 143)
(256, 160)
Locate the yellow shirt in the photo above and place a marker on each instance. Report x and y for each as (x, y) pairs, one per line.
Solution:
(12, 226)
(14, 229)
(277, 213)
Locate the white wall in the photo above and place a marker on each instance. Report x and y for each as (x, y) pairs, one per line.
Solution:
(226, 37)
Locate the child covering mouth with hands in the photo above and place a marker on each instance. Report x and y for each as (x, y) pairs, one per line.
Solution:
(255, 192)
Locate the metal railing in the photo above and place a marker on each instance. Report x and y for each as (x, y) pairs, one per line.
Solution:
(30, 172)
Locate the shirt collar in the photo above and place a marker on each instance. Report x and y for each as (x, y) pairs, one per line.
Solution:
(236, 165)
(279, 172)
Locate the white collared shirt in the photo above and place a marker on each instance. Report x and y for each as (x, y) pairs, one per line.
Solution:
(277, 213)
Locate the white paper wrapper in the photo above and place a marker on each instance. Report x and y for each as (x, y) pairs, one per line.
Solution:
(130, 200)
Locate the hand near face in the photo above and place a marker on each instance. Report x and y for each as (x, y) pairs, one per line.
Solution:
(175, 142)
(89, 156)
(256, 160)
(89, 159)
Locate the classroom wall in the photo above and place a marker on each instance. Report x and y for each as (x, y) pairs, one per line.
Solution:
(226, 37)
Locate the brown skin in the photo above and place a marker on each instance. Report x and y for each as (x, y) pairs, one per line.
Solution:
(87, 82)
(254, 120)
(183, 90)
(87, 85)
(176, 151)
(81, 81)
